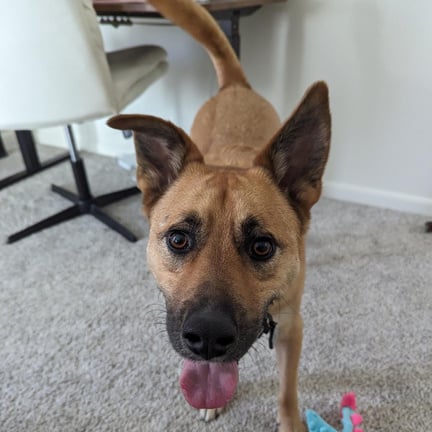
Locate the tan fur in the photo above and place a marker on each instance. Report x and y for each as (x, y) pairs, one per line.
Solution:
(231, 127)
(200, 25)
(238, 165)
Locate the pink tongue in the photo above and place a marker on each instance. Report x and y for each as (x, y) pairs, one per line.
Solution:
(208, 385)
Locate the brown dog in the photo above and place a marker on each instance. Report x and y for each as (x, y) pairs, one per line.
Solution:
(228, 209)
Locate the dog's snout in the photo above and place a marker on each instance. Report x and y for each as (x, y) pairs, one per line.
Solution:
(209, 333)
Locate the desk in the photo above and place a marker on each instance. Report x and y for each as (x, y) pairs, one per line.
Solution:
(226, 12)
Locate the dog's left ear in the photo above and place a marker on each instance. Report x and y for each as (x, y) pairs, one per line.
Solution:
(298, 153)
(162, 151)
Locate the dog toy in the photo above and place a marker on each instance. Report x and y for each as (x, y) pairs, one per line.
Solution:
(351, 420)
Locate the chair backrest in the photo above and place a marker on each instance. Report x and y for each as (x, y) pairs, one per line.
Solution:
(53, 68)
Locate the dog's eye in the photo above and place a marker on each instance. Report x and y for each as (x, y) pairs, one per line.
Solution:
(262, 248)
(179, 241)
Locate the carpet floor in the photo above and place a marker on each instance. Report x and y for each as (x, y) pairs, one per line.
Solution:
(82, 339)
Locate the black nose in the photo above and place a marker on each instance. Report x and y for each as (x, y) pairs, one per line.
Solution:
(209, 332)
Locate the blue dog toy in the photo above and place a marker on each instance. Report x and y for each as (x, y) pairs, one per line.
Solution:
(350, 419)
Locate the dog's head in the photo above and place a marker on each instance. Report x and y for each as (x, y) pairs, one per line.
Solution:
(225, 243)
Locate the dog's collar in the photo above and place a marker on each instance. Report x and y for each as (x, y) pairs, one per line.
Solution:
(268, 327)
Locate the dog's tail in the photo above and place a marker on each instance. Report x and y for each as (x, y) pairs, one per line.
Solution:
(196, 21)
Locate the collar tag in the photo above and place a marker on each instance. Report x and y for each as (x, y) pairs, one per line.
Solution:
(269, 327)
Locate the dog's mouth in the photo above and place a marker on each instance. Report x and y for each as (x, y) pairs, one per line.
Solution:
(208, 384)
(212, 337)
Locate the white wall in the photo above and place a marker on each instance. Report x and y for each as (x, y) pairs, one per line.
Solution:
(375, 56)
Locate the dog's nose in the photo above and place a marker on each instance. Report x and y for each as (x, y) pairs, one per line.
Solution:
(209, 333)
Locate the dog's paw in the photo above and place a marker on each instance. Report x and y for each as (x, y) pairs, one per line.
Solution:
(288, 428)
(289, 425)
(210, 414)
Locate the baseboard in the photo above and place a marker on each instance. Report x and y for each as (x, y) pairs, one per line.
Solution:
(378, 198)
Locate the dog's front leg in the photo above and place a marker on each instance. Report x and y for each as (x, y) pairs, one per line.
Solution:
(288, 342)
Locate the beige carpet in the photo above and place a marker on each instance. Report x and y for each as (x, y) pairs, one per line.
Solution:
(82, 339)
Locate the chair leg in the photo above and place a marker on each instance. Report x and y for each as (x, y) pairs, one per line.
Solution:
(428, 226)
(3, 152)
(84, 202)
(30, 159)
(111, 197)
(62, 216)
(110, 222)
(65, 193)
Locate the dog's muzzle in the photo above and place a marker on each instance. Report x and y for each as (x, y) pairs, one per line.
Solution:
(209, 333)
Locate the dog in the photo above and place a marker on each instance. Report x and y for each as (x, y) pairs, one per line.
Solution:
(228, 210)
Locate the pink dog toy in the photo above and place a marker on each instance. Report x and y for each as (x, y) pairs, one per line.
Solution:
(350, 419)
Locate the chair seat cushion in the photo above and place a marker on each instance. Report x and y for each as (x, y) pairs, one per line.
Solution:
(134, 69)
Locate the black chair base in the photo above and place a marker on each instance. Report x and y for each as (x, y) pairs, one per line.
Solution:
(84, 203)
(14, 178)
(30, 158)
(3, 152)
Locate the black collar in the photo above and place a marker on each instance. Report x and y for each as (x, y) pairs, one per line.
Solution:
(268, 327)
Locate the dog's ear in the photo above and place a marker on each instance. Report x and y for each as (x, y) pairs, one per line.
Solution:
(298, 153)
(162, 150)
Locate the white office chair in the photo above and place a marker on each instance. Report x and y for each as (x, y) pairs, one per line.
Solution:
(54, 71)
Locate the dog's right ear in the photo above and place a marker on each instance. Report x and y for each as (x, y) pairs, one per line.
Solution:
(298, 152)
(162, 151)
